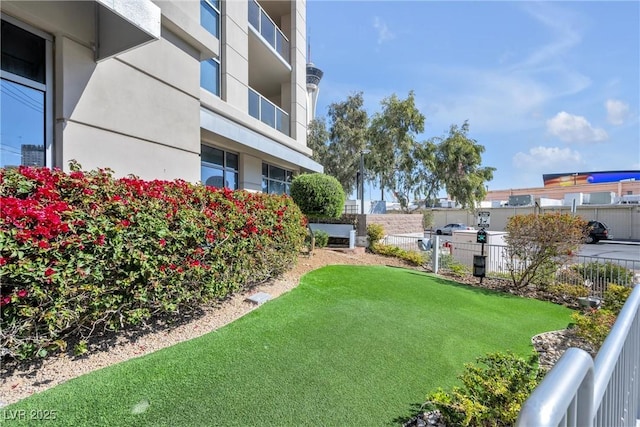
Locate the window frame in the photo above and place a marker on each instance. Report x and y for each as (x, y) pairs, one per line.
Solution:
(286, 183)
(215, 6)
(46, 88)
(224, 168)
(218, 80)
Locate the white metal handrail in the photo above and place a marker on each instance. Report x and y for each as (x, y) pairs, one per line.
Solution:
(617, 392)
(565, 397)
(614, 384)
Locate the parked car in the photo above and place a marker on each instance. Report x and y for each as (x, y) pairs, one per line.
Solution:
(450, 228)
(598, 231)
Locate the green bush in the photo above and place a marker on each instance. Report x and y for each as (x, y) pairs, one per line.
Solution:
(318, 195)
(322, 238)
(447, 260)
(569, 290)
(569, 275)
(537, 244)
(615, 296)
(603, 273)
(375, 233)
(82, 252)
(492, 393)
(458, 269)
(595, 325)
(545, 275)
(412, 257)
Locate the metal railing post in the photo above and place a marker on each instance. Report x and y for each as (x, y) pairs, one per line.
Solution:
(436, 254)
(565, 397)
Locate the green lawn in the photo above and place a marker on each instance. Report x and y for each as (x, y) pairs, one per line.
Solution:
(349, 346)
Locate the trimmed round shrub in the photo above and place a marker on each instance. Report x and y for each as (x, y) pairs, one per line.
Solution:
(318, 195)
(322, 238)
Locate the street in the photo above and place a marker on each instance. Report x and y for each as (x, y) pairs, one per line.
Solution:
(605, 249)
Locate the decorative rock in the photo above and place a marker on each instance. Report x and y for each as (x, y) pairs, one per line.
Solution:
(259, 298)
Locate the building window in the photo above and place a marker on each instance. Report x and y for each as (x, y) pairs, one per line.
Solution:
(219, 168)
(210, 76)
(275, 180)
(26, 114)
(210, 16)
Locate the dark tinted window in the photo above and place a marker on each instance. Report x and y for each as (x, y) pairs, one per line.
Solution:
(23, 53)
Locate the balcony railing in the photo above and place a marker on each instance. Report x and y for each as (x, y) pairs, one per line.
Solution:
(259, 20)
(267, 112)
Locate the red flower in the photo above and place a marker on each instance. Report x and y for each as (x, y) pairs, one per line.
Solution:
(22, 293)
(4, 301)
(100, 240)
(87, 191)
(125, 223)
(3, 260)
(43, 244)
(162, 242)
(49, 272)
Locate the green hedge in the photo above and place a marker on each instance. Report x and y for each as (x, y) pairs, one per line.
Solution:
(318, 195)
(84, 251)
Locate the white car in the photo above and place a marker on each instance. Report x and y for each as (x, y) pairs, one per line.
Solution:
(450, 228)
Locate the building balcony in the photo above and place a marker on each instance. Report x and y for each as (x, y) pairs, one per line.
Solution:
(262, 23)
(268, 113)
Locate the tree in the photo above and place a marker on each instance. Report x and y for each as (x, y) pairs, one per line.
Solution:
(535, 242)
(338, 148)
(457, 165)
(402, 164)
(318, 140)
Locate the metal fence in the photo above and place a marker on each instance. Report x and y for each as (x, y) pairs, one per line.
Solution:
(406, 242)
(594, 273)
(579, 392)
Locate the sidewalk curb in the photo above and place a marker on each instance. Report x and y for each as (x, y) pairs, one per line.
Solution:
(622, 242)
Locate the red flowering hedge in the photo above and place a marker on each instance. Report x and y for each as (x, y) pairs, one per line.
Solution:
(84, 251)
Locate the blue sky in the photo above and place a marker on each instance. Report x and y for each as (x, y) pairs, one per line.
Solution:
(547, 87)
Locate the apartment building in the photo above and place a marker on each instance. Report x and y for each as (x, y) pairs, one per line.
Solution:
(201, 90)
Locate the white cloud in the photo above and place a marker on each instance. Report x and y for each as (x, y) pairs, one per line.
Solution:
(513, 95)
(546, 158)
(572, 128)
(617, 111)
(384, 34)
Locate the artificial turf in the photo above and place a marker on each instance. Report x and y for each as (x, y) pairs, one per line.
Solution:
(351, 345)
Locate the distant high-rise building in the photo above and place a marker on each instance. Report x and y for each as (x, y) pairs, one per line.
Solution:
(32, 155)
(314, 75)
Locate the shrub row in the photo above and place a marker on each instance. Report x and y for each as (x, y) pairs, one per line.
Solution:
(83, 251)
